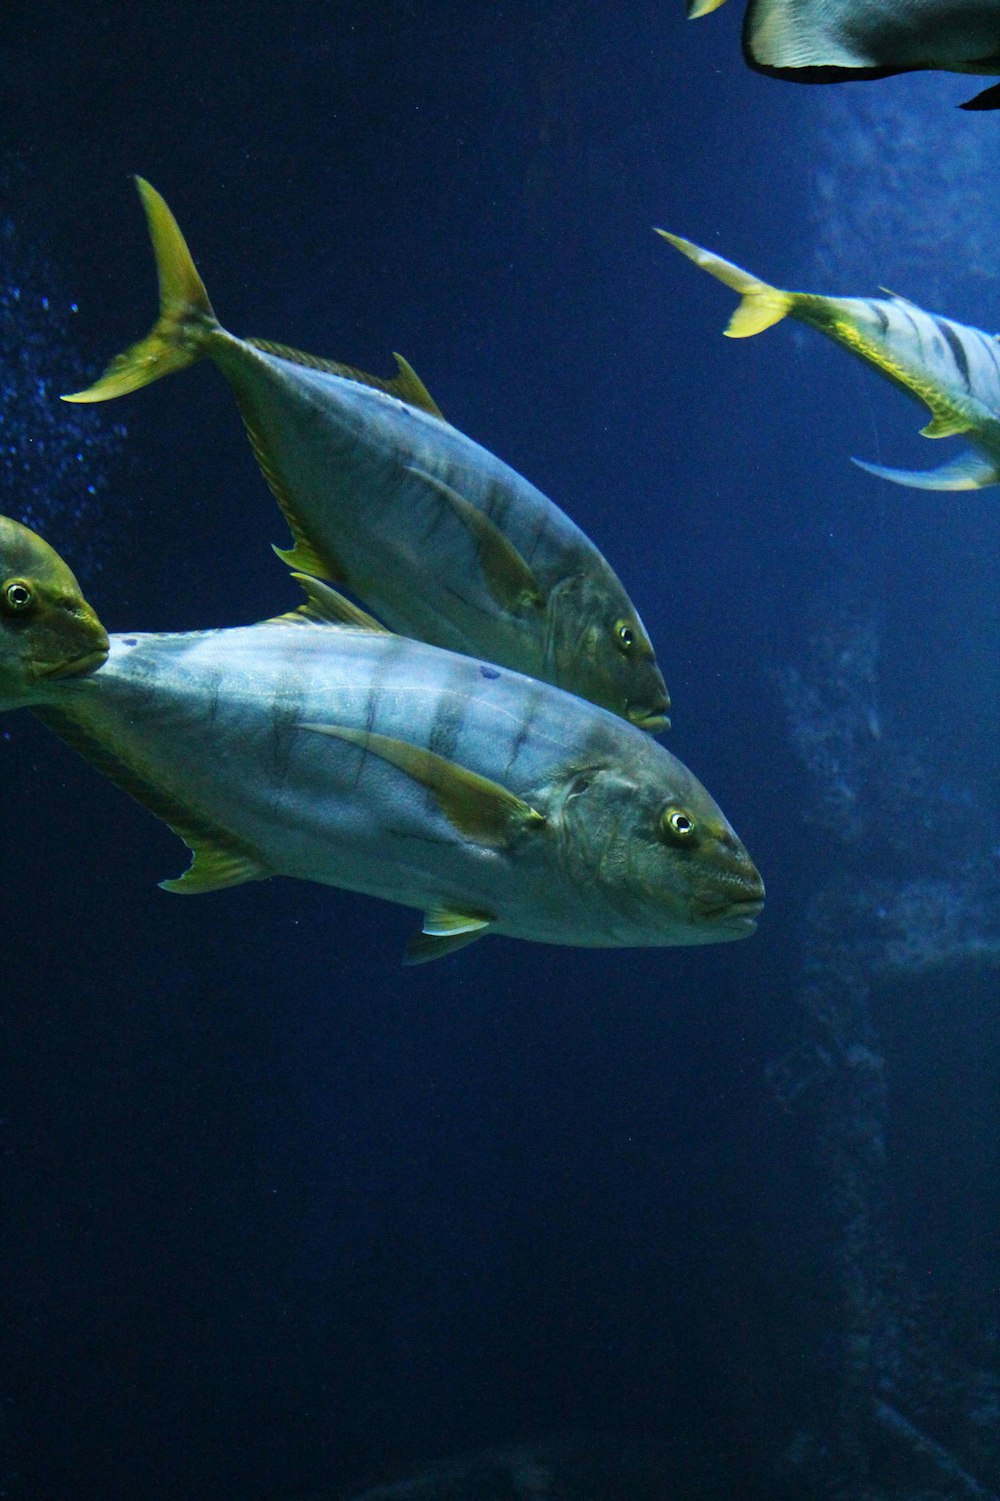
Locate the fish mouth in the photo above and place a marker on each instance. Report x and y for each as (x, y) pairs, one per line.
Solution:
(76, 667)
(739, 913)
(654, 721)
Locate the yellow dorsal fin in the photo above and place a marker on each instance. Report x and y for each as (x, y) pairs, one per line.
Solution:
(508, 577)
(408, 386)
(760, 306)
(477, 807)
(405, 385)
(324, 604)
(219, 858)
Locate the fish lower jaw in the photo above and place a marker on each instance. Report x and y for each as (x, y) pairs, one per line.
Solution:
(740, 913)
(652, 721)
(90, 661)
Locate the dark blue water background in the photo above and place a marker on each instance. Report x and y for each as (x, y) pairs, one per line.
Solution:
(278, 1212)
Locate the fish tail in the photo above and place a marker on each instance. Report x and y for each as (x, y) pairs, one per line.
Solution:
(760, 304)
(186, 319)
(698, 8)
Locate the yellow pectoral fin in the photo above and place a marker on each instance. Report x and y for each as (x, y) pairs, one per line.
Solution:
(508, 577)
(698, 8)
(480, 809)
(325, 605)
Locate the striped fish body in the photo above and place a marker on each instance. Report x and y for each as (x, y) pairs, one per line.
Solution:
(220, 733)
(440, 538)
(952, 369)
(378, 491)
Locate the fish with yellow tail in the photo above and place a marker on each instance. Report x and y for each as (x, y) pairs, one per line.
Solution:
(953, 370)
(320, 746)
(440, 538)
(835, 41)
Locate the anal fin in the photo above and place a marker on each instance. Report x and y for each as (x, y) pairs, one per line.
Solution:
(945, 425)
(212, 868)
(303, 554)
(219, 858)
(425, 946)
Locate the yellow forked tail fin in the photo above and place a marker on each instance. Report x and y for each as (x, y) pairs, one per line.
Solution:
(186, 317)
(760, 305)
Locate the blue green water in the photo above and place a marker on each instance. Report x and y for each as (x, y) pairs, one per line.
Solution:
(280, 1215)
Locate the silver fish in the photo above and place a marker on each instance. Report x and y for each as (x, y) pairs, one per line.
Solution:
(320, 746)
(442, 540)
(830, 41)
(952, 369)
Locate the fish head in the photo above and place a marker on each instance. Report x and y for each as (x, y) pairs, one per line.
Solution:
(600, 651)
(48, 631)
(668, 862)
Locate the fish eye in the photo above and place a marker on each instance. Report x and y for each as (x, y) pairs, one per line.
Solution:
(624, 636)
(678, 826)
(17, 595)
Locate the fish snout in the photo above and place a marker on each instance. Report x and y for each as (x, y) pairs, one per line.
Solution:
(653, 715)
(79, 645)
(734, 896)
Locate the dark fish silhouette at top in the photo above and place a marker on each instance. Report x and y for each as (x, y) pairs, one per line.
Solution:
(834, 41)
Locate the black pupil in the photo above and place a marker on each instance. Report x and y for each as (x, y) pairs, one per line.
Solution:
(681, 824)
(625, 636)
(17, 595)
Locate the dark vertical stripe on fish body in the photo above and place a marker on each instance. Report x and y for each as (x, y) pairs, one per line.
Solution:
(383, 668)
(984, 359)
(903, 311)
(991, 351)
(450, 714)
(522, 737)
(953, 339)
(287, 715)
